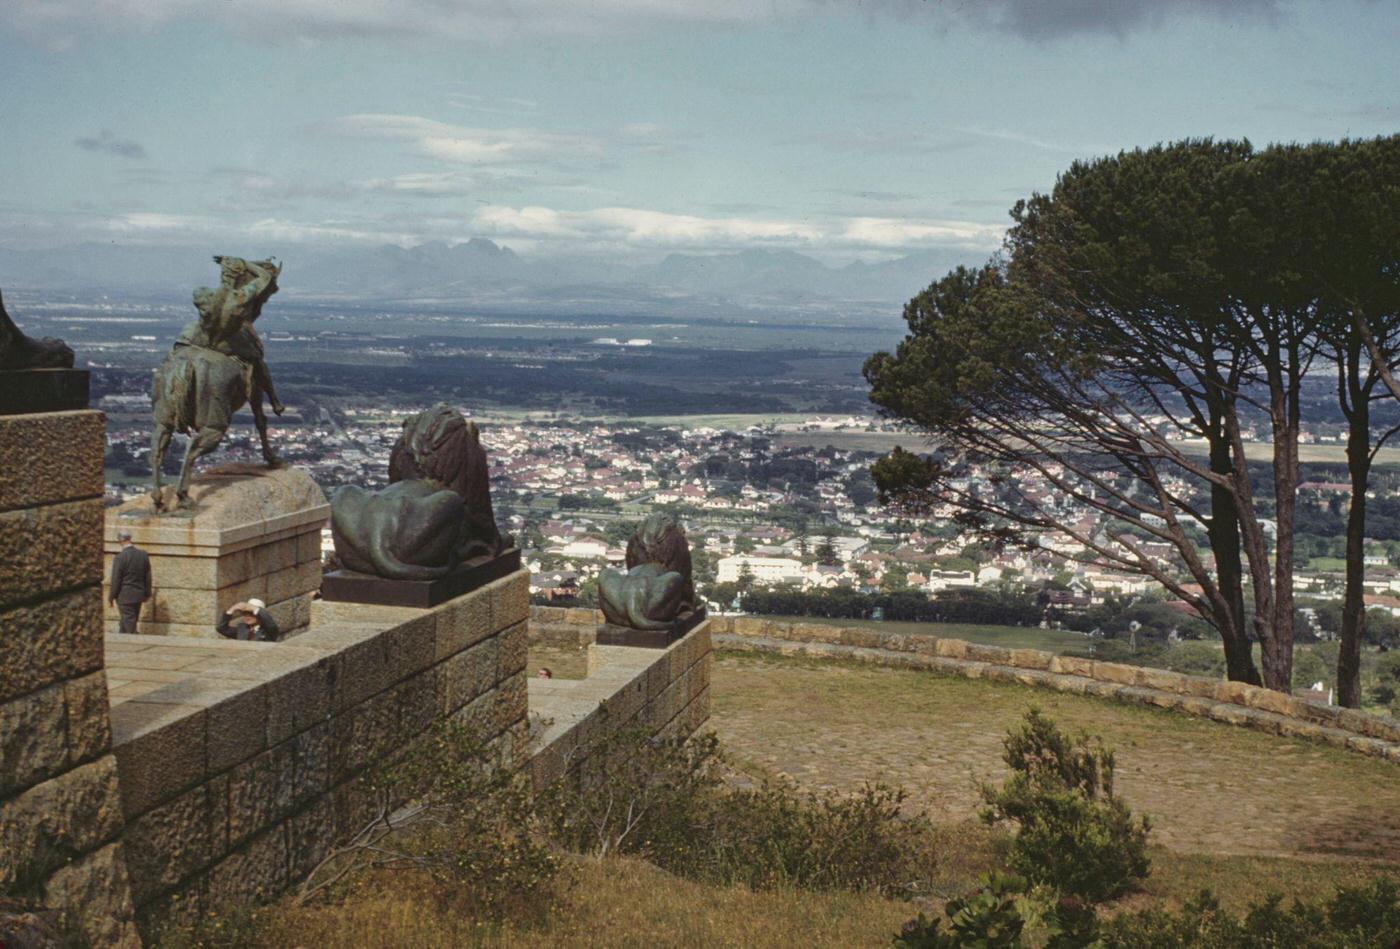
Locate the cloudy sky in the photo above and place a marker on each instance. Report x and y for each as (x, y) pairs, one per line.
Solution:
(632, 128)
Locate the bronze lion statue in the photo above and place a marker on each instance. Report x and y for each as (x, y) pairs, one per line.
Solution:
(657, 587)
(436, 512)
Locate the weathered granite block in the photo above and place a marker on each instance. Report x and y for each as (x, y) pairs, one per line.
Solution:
(1031, 659)
(312, 762)
(89, 722)
(512, 703)
(1115, 672)
(462, 622)
(413, 645)
(50, 640)
(57, 821)
(952, 648)
(1161, 679)
(260, 792)
(417, 703)
(468, 674)
(514, 652)
(311, 834)
(33, 738)
(160, 750)
(255, 872)
(514, 602)
(97, 890)
(49, 549)
(50, 457)
(1072, 665)
(172, 841)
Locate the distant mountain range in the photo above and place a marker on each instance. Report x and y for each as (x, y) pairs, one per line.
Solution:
(481, 270)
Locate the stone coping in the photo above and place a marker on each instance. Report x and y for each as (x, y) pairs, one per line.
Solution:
(169, 532)
(1232, 702)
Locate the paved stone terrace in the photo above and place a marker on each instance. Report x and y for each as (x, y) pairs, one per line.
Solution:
(139, 665)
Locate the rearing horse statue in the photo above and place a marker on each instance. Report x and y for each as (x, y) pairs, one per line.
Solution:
(215, 367)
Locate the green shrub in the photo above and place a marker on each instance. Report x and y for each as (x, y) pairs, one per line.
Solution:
(667, 802)
(1005, 913)
(1354, 918)
(1072, 832)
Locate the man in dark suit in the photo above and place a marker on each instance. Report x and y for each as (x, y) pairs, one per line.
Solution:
(131, 581)
(248, 620)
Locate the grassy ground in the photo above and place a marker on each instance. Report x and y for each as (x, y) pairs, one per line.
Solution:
(1013, 637)
(1210, 788)
(1237, 811)
(612, 902)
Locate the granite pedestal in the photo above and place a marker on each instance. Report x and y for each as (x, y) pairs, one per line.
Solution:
(610, 634)
(254, 532)
(349, 586)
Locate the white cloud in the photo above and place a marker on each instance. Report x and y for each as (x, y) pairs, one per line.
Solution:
(900, 233)
(430, 138)
(640, 228)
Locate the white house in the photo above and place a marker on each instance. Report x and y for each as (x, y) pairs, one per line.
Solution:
(763, 569)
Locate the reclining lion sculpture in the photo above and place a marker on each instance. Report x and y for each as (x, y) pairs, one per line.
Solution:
(436, 512)
(657, 588)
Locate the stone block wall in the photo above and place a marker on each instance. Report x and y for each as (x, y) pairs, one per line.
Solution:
(666, 691)
(60, 811)
(1234, 703)
(238, 779)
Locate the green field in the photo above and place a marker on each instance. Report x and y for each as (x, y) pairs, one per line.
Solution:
(1327, 563)
(1012, 637)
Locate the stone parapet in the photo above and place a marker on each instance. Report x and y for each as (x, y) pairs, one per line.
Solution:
(240, 763)
(255, 533)
(1235, 703)
(60, 810)
(666, 691)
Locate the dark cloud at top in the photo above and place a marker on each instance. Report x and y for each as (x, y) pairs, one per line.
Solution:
(1039, 20)
(106, 141)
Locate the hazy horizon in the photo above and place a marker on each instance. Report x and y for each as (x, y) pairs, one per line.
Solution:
(605, 137)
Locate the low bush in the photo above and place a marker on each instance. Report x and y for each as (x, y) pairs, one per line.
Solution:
(667, 802)
(1354, 918)
(1072, 832)
(1006, 913)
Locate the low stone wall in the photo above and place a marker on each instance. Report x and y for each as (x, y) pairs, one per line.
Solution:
(60, 811)
(558, 626)
(240, 763)
(667, 691)
(1232, 702)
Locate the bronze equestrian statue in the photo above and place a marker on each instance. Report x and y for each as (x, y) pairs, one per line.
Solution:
(215, 367)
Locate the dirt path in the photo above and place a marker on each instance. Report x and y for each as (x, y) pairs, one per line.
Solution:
(1209, 788)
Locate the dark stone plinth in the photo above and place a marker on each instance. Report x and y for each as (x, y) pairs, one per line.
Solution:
(611, 635)
(27, 391)
(347, 586)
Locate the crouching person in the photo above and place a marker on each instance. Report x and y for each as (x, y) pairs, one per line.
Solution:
(248, 620)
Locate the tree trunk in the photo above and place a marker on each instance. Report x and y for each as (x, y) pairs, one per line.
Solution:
(1276, 653)
(1224, 533)
(1353, 601)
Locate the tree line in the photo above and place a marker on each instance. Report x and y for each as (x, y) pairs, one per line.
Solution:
(1173, 294)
